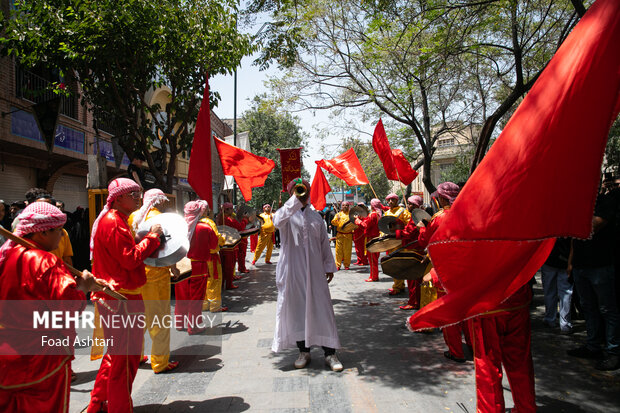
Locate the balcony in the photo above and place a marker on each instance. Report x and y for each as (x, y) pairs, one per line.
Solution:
(36, 89)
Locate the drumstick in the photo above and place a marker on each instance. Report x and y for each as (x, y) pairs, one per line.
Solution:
(76, 273)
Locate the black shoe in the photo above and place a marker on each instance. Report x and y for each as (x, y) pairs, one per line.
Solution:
(450, 356)
(611, 362)
(585, 353)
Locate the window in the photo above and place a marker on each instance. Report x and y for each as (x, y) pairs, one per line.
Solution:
(445, 142)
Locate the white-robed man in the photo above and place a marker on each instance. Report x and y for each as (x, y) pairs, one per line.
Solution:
(305, 315)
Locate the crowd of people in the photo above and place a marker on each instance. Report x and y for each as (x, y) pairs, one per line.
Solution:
(578, 273)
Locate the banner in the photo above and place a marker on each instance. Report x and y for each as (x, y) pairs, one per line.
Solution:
(200, 175)
(290, 160)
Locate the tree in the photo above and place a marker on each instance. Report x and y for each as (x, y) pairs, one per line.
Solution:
(432, 66)
(612, 150)
(270, 130)
(120, 51)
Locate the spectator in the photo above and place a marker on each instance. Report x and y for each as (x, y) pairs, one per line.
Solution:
(557, 287)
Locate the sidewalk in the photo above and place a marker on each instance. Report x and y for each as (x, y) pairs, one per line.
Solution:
(387, 368)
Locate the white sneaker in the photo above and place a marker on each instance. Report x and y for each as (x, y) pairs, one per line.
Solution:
(333, 363)
(302, 360)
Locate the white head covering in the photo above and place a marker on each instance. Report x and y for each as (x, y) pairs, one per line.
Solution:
(152, 197)
(193, 211)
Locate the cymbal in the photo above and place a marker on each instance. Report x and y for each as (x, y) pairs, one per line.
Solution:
(389, 224)
(358, 211)
(231, 235)
(419, 214)
(176, 243)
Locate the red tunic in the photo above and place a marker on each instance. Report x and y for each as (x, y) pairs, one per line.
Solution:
(370, 224)
(33, 275)
(116, 256)
(203, 242)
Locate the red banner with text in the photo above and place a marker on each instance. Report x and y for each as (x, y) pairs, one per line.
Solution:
(290, 160)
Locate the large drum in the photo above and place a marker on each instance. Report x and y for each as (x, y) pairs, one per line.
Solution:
(231, 236)
(382, 244)
(249, 231)
(405, 265)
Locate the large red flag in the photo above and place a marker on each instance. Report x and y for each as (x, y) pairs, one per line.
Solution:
(290, 161)
(250, 171)
(501, 227)
(396, 166)
(346, 167)
(199, 175)
(319, 189)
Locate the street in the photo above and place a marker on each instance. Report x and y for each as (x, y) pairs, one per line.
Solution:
(387, 368)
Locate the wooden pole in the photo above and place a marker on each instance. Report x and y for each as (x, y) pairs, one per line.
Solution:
(74, 271)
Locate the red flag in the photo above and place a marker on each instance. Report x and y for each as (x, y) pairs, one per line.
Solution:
(396, 166)
(501, 227)
(199, 175)
(250, 171)
(346, 167)
(319, 189)
(290, 160)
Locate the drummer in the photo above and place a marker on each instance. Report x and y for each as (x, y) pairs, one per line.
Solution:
(243, 244)
(228, 255)
(265, 239)
(370, 224)
(411, 233)
(344, 238)
(156, 291)
(359, 240)
(404, 216)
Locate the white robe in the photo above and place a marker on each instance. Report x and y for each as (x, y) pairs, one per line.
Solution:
(305, 310)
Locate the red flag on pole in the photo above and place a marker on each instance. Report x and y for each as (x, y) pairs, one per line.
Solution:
(199, 175)
(290, 160)
(250, 171)
(346, 167)
(319, 189)
(396, 166)
(501, 227)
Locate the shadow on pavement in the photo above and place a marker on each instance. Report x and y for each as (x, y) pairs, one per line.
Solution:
(219, 404)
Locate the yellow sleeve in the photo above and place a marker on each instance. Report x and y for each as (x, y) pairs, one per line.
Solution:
(405, 216)
(336, 220)
(66, 241)
(220, 238)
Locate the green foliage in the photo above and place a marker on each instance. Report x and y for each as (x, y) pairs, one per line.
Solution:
(270, 130)
(612, 150)
(120, 51)
(459, 171)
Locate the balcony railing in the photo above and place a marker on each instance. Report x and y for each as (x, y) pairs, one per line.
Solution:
(36, 89)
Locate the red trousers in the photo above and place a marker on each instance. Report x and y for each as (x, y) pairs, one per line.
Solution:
(243, 249)
(120, 363)
(229, 259)
(414, 292)
(189, 296)
(373, 257)
(452, 334)
(49, 396)
(503, 339)
(253, 242)
(360, 251)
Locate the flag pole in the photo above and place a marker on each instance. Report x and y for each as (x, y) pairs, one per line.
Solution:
(402, 188)
(373, 189)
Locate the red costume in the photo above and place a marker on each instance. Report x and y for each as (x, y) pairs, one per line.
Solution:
(411, 233)
(190, 293)
(253, 242)
(243, 245)
(370, 225)
(229, 257)
(451, 334)
(38, 382)
(120, 261)
(502, 338)
(359, 239)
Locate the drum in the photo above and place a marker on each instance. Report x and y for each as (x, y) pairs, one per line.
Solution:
(405, 265)
(231, 236)
(175, 245)
(185, 268)
(347, 226)
(382, 244)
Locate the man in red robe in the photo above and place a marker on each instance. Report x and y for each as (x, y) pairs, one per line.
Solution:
(228, 255)
(233, 222)
(118, 260)
(446, 194)
(414, 202)
(32, 377)
(370, 224)
(359, 240)
(206, 270)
